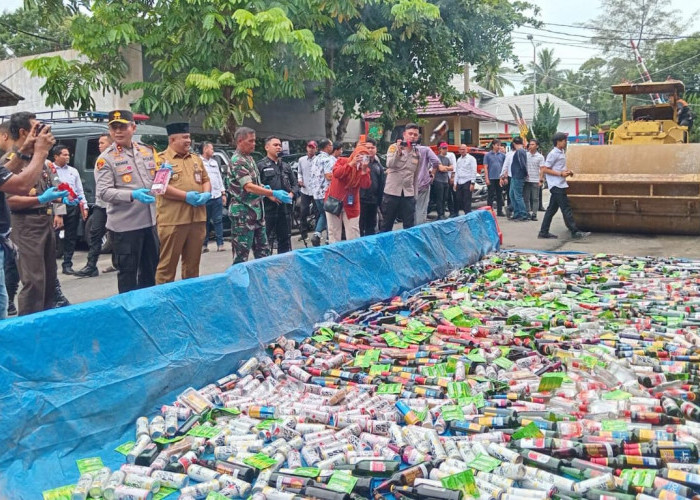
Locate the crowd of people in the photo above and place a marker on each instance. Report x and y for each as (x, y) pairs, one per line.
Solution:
(515, 181)
(160, 222)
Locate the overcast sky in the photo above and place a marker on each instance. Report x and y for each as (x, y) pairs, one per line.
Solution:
(569, 47)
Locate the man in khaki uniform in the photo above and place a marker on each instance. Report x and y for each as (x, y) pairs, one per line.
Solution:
(180, 212)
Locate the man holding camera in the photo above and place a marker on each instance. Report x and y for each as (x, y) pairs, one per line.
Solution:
(32, 142)
(408, 175)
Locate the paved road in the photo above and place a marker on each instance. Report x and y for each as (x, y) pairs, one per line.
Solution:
(516, 235)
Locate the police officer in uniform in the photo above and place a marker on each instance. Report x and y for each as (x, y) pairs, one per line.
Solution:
(33, 232)
(277, 175)
(181, 210)
(125, 172)
(246, 208)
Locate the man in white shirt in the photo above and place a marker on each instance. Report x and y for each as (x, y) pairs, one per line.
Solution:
(465, 176)
(304, 167)
(75, 210)
(216, 204)
(506, 175)
(555, 169)
(531, 190)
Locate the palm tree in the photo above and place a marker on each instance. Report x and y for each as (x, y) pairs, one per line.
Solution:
(547, 70)
(492, 78)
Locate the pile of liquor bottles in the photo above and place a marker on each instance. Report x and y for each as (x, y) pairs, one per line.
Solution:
(521, 377)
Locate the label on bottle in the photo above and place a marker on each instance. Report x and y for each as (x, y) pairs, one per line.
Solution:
(452, 412)
(639, 477)
(341, 481)
(530, 443)
(377, 467)
(538, 457)
(260, 461)
(484, 463)
(462, 481)
(677, 455)
(307, 471)
(88, 465)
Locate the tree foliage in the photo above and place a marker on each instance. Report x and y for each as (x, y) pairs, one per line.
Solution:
(222, 57)
(390, 55)
(211, 56)
(493, 78)
(24, 33)
(547, 72)
(647, 22)
(545, 124)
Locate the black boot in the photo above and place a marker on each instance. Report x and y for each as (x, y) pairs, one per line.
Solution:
(68, 268)
(89, 271)
(60, 300)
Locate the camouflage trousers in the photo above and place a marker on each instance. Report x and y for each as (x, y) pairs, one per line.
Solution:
(243, 238)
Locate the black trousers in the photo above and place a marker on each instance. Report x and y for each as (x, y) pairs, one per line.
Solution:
(97, 231)
(464, 197)
(558, 200)
(276, 220)
(70, 233)
(452, 202)
(136, 258)
(368, 218)
(11, 278)
(305, 200)
(398, 206)
(441, 190)
(495, 192)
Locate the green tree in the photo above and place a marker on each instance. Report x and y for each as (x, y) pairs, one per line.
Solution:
(217, 57)
(24, 33)
(545, 124)
(678, 60)
(647, 22)
(493, 78)
(547, 70)
(390, 55)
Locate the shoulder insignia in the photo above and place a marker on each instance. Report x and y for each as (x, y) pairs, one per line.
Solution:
(392, 149)
(100, 163)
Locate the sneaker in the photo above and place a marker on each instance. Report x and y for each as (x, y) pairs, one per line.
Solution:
(11, 309)
(501, 214)
(220, 248)
(533, 217)
(316, 240)
(205, 249)
(547, 236)
(579, 235)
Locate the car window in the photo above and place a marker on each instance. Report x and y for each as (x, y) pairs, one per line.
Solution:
(93, 152)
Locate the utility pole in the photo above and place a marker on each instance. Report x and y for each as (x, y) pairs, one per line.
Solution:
(644, 72)
(534, 77)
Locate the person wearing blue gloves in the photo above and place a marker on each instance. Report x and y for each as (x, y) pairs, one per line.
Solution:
(124, 177)
(33, 233)
(181, 210)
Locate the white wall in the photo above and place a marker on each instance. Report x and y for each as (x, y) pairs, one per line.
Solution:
(566, 125)
(20, 81)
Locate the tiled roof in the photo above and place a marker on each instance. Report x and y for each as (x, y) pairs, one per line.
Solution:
(435, 107)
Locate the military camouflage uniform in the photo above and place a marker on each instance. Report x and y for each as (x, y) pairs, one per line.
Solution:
(245, 210)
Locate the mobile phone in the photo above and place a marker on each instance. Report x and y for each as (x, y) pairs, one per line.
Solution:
(39, 128)
(405, 143)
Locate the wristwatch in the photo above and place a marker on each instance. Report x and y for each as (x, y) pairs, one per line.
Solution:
(24, 157)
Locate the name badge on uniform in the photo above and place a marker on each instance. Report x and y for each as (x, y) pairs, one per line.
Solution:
(198, 176)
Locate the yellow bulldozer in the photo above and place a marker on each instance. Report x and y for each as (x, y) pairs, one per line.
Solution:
(647, 178)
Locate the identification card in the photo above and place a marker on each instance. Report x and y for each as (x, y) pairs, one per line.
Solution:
(198, 176)
(351, 199)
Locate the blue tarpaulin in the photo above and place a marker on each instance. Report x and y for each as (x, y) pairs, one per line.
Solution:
(74, 380)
